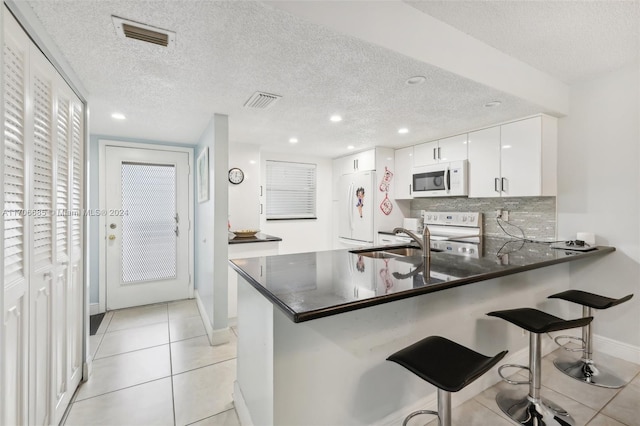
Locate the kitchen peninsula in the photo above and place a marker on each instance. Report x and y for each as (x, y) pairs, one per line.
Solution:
(315, 328)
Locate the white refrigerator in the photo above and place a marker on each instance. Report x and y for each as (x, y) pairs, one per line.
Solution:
(356, 209)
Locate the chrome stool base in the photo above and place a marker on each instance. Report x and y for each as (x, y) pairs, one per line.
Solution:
(523, 409)
(586, 371)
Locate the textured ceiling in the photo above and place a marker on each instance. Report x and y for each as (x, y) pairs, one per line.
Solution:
(225, 51)
(570, 40)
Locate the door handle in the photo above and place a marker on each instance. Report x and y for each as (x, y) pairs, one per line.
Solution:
(495, 184)
(439, 157)
(503, 186)
(448, 181)
(434, 153)
(409, 189)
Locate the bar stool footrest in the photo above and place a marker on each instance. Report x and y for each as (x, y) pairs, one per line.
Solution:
(514, 382)
(580, 349)
(586, 371)
(417, 413)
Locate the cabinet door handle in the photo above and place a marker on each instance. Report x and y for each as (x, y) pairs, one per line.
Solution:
(260, 208)
(434, 153)
(409, 189)
(503, 186)
(495, 184)
(439, 157)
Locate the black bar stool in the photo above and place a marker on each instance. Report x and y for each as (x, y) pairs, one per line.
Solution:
(531, 409)
(585, 369)
(445, 364)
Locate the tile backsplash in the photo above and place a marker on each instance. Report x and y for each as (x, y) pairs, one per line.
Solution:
(536, 216)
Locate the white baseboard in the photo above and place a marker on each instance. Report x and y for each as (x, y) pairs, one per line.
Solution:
(233, 321)
(616, 348)
(241, 406)
(94, 308)
(216, 337)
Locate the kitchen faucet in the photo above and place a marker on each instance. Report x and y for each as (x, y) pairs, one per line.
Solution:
(424, 242)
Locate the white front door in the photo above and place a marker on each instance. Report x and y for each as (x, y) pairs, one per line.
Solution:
(147, 226)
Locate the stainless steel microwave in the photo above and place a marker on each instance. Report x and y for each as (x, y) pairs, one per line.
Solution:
(440, 180)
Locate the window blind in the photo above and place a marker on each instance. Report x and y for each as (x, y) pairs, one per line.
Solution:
(291, 190)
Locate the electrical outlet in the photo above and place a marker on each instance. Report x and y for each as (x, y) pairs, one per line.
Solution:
(498, 214)
(505, 215)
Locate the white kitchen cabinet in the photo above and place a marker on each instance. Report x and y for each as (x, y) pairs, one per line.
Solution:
(517, 159)
(449, 149)
(425, 154)
(484, 163)
(403, 175)
(361, 162)
(453, 148)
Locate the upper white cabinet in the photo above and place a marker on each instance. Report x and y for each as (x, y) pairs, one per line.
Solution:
(360, 162)
(516, 159)
(453, 148)
(484, 163)
(425, 154)
(403, 166)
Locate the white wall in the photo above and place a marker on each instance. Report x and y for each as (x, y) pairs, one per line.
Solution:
(244, 204)
(599, 191)
(211, 243)
(303, 235)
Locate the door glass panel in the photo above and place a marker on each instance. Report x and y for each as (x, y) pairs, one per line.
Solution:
(148, 222)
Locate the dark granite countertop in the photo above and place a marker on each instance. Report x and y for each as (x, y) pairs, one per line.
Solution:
(258, 238)
(313, 285)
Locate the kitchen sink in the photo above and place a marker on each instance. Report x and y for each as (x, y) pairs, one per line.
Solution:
(405, 251)
(391, 252)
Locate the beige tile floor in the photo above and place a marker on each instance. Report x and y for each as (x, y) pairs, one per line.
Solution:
(153, 365)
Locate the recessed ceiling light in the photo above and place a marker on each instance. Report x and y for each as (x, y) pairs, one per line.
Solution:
(335, 118)
(350, 147)
(293, 140)
(403, 131)
(252, 161)
(492, 104)
(118, 116)
(506, 146)
(418, 79)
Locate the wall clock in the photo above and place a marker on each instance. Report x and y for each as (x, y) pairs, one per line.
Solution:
(236, 175)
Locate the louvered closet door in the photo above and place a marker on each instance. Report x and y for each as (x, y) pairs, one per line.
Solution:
(15, 318)
(63, 103)
(42, 269)
(75, 291)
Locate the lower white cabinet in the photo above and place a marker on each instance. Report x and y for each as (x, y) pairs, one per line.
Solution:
(43, 287)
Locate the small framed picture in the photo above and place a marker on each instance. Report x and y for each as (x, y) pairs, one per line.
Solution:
(202, 174)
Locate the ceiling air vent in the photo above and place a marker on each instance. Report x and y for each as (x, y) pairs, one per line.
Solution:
(261, 100)
(142, 32)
